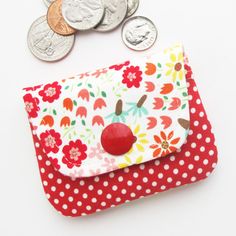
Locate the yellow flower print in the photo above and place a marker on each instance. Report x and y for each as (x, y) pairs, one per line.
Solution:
(139, 146)
(176, 66)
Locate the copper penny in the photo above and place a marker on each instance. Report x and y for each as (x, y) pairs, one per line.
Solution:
(56, 20)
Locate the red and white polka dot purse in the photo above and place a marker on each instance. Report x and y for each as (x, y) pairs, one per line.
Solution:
(120, 133)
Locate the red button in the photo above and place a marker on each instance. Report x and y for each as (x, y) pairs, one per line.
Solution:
(117, 139)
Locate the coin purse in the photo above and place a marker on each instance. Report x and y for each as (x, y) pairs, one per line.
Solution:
(120, 133)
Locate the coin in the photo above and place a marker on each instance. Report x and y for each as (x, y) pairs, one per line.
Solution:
(132, 7)
(115, 13)
(139, 33)
(48, 2)
(56, 20)
(83, 14)
(46, 44)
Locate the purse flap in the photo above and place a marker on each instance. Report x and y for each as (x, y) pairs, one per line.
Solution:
(115, 117)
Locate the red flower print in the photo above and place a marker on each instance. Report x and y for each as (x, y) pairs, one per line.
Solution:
(99, 104)
(84, 75)
(98, 73)
(132, 77)
(65, 121)
(167, 88)
(165, 144)
(55, 164)
(166, 121)
(98, 120)
(84, 94)
(31, 105)
(158, 104)
(152, 122)
(68, 104)
(188, 71)
(51, 141)
(74, 154)
(82, 112)
(120, 66)
(175, 104)
(47, 120)
(150, 87)
(33, 88)
(50, 92)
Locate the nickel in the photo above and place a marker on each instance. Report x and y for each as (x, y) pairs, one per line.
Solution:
(115, 13)
(56, 20)
(46, 44)
(83, 14)
(139, 33)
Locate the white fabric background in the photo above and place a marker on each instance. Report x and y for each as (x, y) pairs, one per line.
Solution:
(207, 29)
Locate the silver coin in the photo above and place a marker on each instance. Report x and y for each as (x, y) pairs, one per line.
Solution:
(115, 13)
(132, 7)
(83, 14)
(46, 44)
(48, 2)
(139, 33)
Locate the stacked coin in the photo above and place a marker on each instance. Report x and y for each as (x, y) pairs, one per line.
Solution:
(52, 37)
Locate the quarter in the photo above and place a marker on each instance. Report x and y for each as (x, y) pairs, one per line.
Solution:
(132, 7)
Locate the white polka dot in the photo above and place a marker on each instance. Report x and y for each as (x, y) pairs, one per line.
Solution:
(198, 101)
(118, 199)
(37, 145)
(50, 176)
(120, 179)
(90, 187)
(199, 136)
(114, 187)
(214, 165)
(135, 175)
(45, 183)
(151, 171)
(105, 183)
(96, 179)
(74, 211)
(103, 204)
(193, 145)
(85, 195)
(82, 183)
(76, 191)
(190, 97)
(148, 191)
(200, 170)
(184, 175)
(53, 188)
(139, 187)
(205, 162)
(190, 132)
(201, 114)
(172, 158)
(40, 158)
(190, 166)
(142, 167)
(178, 150)
(133, 195)
(187, 154)
(62, 194)
(175, 171)
(123, 191)
(208, 174)
(67, 186)
(100, 192)
(202, 149)
(94, 200)
(163, 187)
(109, 196)
(178, 183)
(211, 152)
(169, 180)
(154, 183)
(79, 203)
(196, 123)
(160, 175)
(129, 183)
(59, 181)
(48, 163)
(145, 179)
(195, 89)
(70, 199)
(193, 110)
(208, 140)
(204, 127)
(196, 158)
(112, 175)
(181, 162)
(166, 167)
(157, 162)
(42, 170)
(193, 179)
(126, 170)
(64, 206)
(48, 195)
(56, 201)
(88, 208)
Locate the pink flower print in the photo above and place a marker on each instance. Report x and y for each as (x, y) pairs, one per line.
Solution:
(95, 172)
(110, 164)
(97, 152)
(98, 73)
(76, 174)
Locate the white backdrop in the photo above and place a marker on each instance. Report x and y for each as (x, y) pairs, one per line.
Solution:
(207, 29)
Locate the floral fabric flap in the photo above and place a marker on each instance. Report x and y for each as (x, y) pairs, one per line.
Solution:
(149, 97)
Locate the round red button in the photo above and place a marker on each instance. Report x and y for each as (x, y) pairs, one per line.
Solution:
(117, 139)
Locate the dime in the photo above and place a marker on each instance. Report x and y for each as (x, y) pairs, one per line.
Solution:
(83, 14)
(132, 7)
(46, 44)
(48, 2)
(115, 13)
(139, 33)
(56, 20)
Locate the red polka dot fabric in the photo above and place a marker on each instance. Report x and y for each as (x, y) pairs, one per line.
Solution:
(83, 196)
